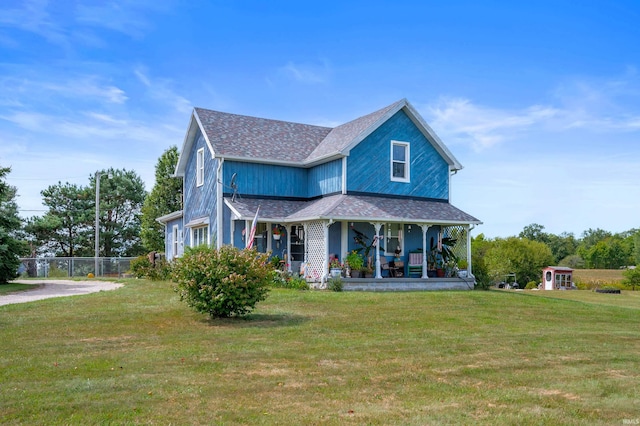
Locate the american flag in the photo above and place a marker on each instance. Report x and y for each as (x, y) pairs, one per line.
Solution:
(252, 234)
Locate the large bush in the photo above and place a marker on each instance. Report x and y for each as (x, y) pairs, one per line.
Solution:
(141, 267)
(222, 282)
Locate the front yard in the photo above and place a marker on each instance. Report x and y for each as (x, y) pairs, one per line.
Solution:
(139, 355)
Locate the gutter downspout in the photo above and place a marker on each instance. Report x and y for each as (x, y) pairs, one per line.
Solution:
(219, 204)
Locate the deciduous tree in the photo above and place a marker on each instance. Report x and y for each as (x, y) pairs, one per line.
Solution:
(164, 198)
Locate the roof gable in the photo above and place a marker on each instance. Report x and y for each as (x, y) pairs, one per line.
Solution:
(254, 139)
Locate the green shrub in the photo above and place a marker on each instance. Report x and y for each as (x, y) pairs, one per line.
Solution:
(141, 267)
(531, 285)
(222, 282)
(282, 279)
(335, 284)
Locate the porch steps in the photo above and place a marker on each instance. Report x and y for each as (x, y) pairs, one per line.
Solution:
(406, 284)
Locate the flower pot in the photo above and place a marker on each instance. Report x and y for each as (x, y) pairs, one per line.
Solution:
(276, 237)
(355, 274)
(336, 272)
(440, 273)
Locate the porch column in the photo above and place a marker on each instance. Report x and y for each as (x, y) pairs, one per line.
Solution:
(469, 274)
(425, 228)
(325, 264)
(287, 261)
(305, 249)
(378, 226)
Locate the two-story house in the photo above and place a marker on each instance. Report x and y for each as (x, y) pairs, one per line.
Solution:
(385, 175)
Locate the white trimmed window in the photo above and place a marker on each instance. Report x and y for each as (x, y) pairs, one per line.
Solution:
(200, 167)
(200, 236)
(400, 157)
(176, 240)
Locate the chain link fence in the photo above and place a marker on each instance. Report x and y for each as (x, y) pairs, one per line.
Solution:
(63, 267)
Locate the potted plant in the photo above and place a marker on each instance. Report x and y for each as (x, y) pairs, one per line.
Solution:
(276, 232)
(355, 262)
(335, 268)
(444, 256)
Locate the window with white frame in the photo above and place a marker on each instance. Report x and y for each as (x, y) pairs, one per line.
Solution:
(394, 241)
(400, 157)
(200, 167)
(200, 236)
(176, 240)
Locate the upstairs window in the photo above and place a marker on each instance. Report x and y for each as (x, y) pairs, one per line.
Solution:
(200, 167)
(400, 161)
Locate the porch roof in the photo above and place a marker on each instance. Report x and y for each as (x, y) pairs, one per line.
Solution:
(351, 208)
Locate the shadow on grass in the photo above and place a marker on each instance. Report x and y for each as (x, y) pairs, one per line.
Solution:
(258, 320)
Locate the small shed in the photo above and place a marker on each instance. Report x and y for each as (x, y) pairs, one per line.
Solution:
(557, 278)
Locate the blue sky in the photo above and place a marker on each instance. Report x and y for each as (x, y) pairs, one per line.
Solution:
(539, 101)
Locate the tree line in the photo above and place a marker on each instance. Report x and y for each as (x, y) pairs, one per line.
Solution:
(533, 249)
(127, 216)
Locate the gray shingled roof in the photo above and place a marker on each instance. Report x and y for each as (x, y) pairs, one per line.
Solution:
(253, 138)
(241, 136)
(352, 207)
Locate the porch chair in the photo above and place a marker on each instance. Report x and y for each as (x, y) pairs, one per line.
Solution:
(394, 269)
(415, 263)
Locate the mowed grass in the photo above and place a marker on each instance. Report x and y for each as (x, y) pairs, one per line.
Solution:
(15, 288)
(137, 355)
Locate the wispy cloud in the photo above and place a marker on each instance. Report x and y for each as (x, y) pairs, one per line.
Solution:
(161, 90)
(481, 126)
(34, 17)
(24, 90)
(125, 17)
(598, 106)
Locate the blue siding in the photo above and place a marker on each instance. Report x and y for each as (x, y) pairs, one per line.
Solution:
(368, 165)
(335, 231)
(168, 239)
(226, 225)
(200, 201)
(325, 178)
(266, 179)
(238, 240)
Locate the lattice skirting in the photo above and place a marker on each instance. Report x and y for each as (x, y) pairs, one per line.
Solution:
(316, 250)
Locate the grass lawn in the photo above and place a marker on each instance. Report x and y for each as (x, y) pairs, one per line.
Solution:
(13, 288)
(137, 355)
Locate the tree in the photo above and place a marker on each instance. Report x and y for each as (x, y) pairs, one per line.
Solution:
(121, 198)
(562, 245)
(521, 256)
(165, 198)
(632, 278)
(591, 237)
(479, 248)
(534, 232)
(10, 223)
(609, 253)
(66, 228)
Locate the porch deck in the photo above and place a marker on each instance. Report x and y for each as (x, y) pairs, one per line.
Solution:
(407, 284)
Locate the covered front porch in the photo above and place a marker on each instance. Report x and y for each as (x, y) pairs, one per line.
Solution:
(409, 242)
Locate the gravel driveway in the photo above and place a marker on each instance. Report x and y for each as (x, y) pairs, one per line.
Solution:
(55, 288)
